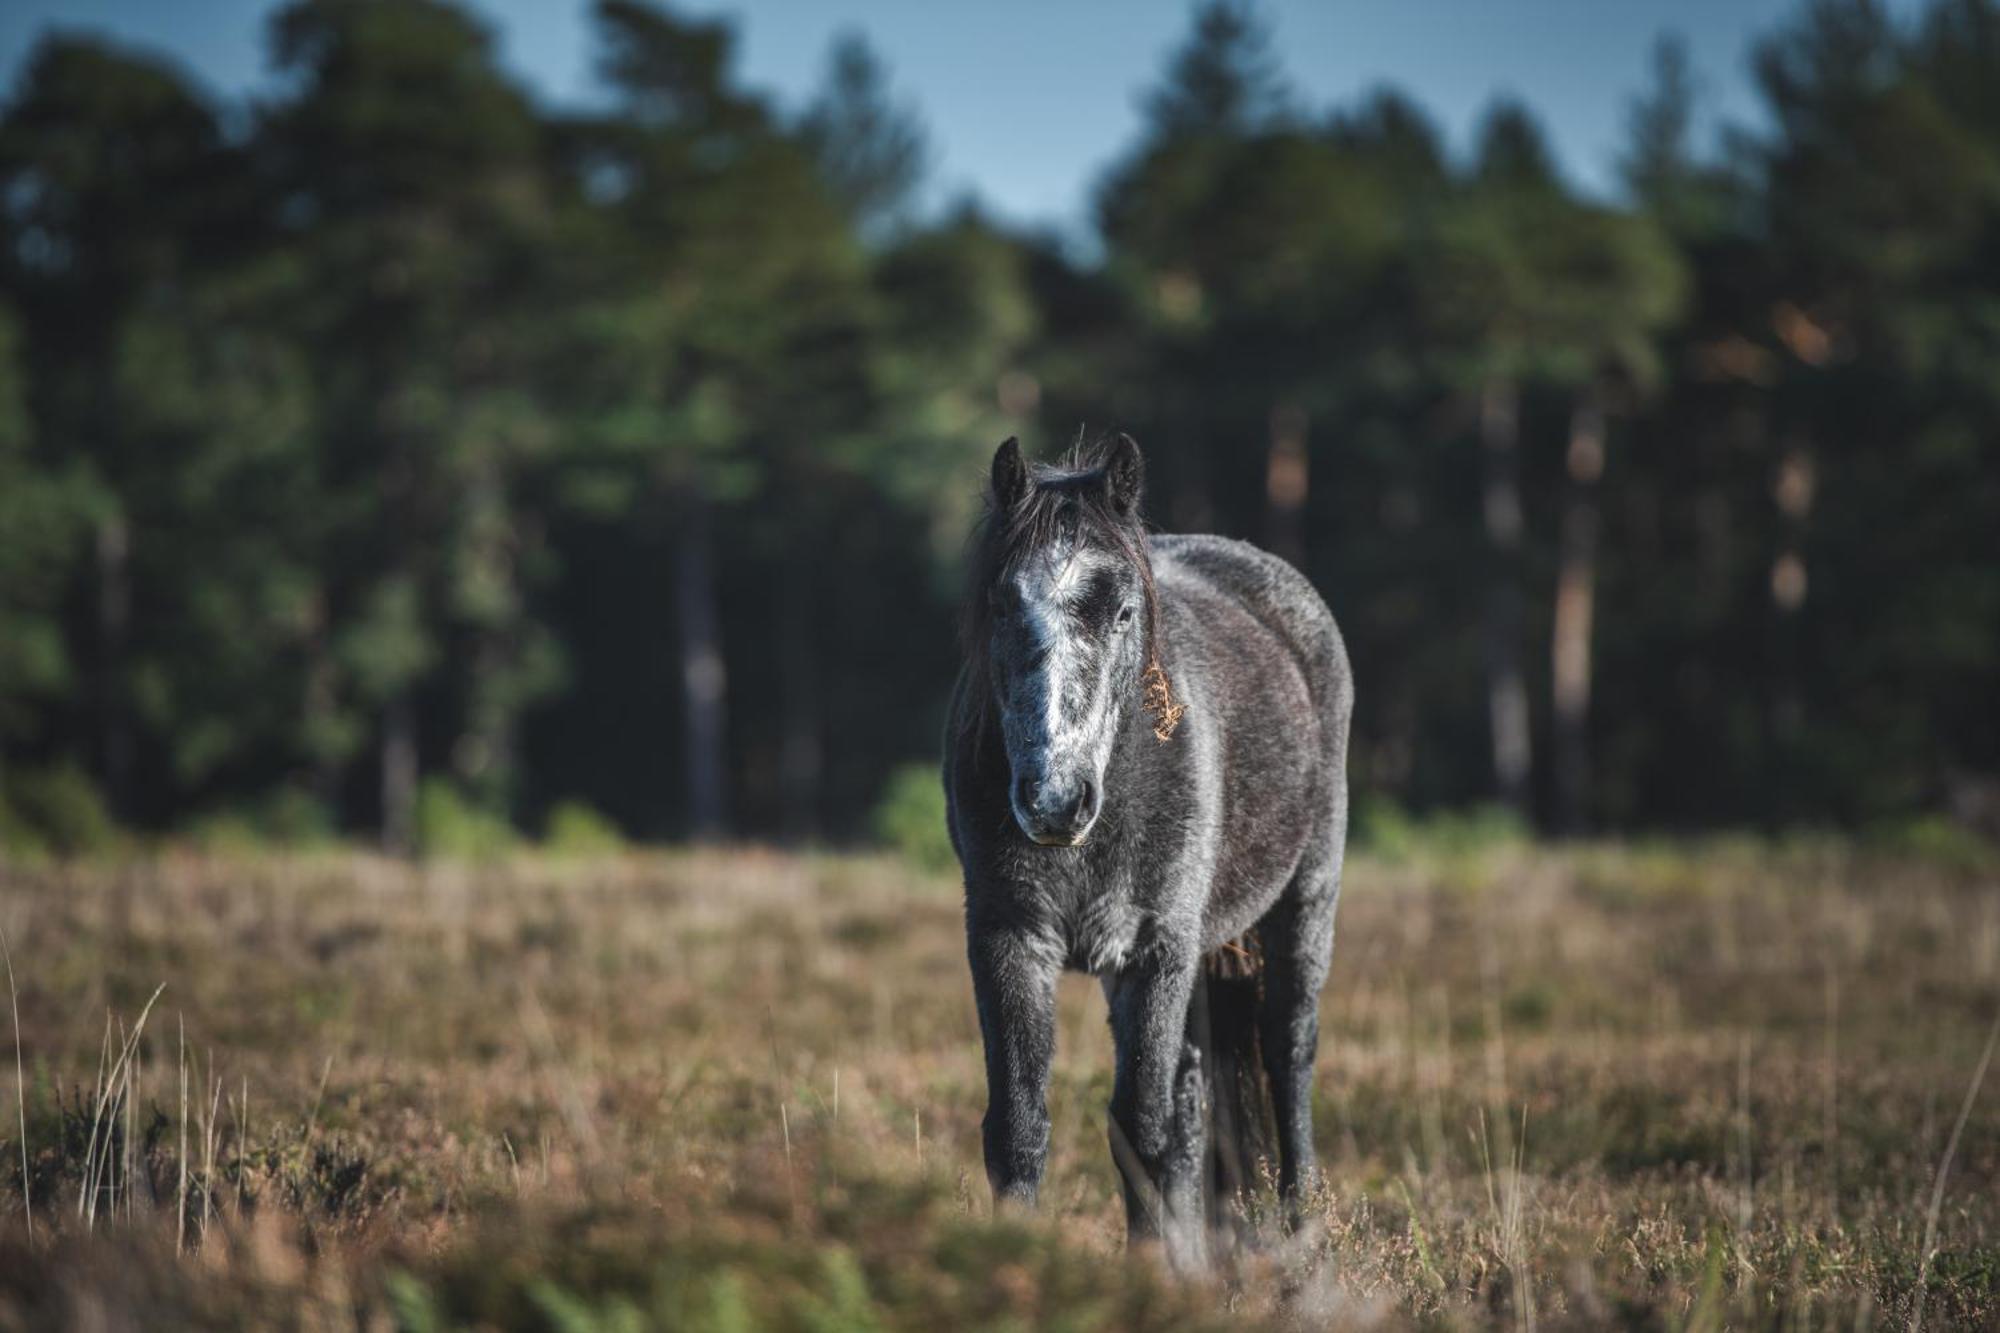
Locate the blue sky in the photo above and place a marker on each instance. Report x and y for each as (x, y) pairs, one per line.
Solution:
(1027, 101)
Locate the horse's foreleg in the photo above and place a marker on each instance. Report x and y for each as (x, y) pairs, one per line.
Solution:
(1157, 1129)
(1186, 1232)
(1015, 986)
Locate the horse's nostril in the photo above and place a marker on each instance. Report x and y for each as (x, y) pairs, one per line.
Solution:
(1058, 808)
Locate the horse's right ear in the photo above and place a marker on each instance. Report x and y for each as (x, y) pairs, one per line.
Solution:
(1010, 475)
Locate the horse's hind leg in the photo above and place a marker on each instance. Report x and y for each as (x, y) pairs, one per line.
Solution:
(1297, 938)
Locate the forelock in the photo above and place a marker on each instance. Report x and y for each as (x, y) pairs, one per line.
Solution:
(1064, 506)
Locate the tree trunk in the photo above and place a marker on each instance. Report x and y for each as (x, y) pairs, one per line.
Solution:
(1792, 488)
(317, 708)
(482, 757)
(801, 758)
(1576, 598)
(1193, 506)
(1506, 688)
(1285, 482)
(114, 619)
(704, 677)
(399, 774)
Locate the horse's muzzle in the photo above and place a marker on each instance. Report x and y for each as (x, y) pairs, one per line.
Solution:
(1056, 814)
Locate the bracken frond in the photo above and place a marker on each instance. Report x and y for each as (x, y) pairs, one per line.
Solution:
(1160, 702)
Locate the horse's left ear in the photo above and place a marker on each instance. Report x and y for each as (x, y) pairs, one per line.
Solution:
(1124, 475)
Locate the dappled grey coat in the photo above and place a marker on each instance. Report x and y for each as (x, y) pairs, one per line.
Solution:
(1145, 759)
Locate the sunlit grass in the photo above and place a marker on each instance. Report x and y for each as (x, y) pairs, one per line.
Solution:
(1673, 1086)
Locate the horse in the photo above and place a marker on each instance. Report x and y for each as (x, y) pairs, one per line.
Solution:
(1145, 761)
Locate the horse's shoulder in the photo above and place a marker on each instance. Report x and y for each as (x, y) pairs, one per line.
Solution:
(1268, 588)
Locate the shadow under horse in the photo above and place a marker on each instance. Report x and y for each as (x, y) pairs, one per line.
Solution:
(1145, 766)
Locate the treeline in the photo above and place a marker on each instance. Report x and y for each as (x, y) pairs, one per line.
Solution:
(395, 439)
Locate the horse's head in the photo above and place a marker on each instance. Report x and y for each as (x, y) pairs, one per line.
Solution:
(1062, 627)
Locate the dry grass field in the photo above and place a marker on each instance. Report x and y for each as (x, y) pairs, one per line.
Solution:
(1681, 1087)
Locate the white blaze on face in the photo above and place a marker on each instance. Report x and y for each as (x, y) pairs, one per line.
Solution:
(1058, 707)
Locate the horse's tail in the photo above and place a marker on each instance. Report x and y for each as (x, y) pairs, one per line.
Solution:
(1242, 1137)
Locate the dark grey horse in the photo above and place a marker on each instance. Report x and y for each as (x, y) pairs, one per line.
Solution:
(1145, 761)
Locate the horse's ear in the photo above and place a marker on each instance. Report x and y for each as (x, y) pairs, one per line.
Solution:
(1124, 475)
(1010, 475)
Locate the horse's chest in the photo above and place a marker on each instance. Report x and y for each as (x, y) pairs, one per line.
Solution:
(1100, 926)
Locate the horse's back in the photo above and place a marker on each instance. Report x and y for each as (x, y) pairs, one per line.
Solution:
(1279, 598)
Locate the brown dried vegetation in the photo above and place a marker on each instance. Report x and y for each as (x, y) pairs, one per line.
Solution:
(1674, 1087)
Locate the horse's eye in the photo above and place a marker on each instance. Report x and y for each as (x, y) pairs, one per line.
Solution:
(1124, 616)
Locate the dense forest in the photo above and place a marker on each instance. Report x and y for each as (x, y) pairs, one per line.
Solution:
(395, 442)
